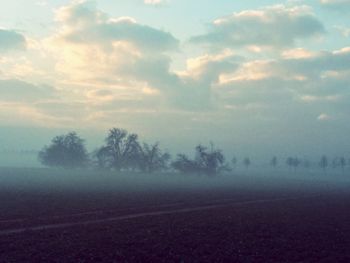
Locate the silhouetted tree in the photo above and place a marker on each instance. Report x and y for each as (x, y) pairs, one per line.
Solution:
(67, 151)
(324, 162)
(122, 150)
(209, 161)
(185, 165)
(339, 162)
(247, 162)
(152, 159)
(102, 157)
(234, 162)
(342, 163)
(274, 162)
(293, 162)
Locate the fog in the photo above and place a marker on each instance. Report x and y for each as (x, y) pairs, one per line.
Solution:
(23, 180)
(18, 145)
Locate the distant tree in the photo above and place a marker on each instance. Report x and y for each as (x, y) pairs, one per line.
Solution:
(234, 162)
(274, 162)
(247, 162)
(324, 162)
(67, 151)
(290, 161)
(342, 163)
(152, 159)
(209, 161)
(185, 165)
(339, 162)
(102, 157)
(122, 150)
(293, 162)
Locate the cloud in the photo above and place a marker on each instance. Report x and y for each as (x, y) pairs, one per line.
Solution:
(155, 2)
(275, 26)
(113, 72)
(13, 90)
(124, 58)
(340, 5)
(19, 102)
(11, 40)
(85, 24)
(344, 31)
(317, 69)
(324, 117)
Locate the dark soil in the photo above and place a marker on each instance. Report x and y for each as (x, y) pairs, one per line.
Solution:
(313, 228)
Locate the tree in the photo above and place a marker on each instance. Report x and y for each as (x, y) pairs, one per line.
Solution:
(209, 161)
(67, 151)
(293, 162)
(152, 159)
(122, 150)
(274, 162)
(339, 162)
(185, 165)
(342, 163)
(324, 162)
(247, 162)
(102, 157)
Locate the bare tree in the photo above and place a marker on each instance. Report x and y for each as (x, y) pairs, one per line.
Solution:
(247, 162)
(342, 163)
(102, 157)
(152, 158)
(185, 165)
(293, 162)
(324, 162)
(121, 150)
(209, 161)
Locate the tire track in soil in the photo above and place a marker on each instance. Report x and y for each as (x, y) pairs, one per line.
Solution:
(44, 227)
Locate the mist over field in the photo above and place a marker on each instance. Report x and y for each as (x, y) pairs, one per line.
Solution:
(174, 131)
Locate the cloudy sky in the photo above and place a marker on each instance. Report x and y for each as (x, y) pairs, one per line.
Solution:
(253, 76)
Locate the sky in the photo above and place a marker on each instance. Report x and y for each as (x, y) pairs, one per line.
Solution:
(255, 77)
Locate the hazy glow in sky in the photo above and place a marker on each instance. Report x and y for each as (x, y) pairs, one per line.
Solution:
(263, 73)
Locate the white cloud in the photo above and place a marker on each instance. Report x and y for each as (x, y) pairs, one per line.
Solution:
(324, 117)
(344, 31)
(341, 6)
(155, 2)
(116, 69)
(274, 26)
(335, 2)
(82, 23)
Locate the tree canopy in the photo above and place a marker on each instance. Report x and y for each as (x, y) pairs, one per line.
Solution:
(67, 151)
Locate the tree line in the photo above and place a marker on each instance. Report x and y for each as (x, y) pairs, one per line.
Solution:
(123, 151)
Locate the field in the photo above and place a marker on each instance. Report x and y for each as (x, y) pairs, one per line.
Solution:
(88, 216)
